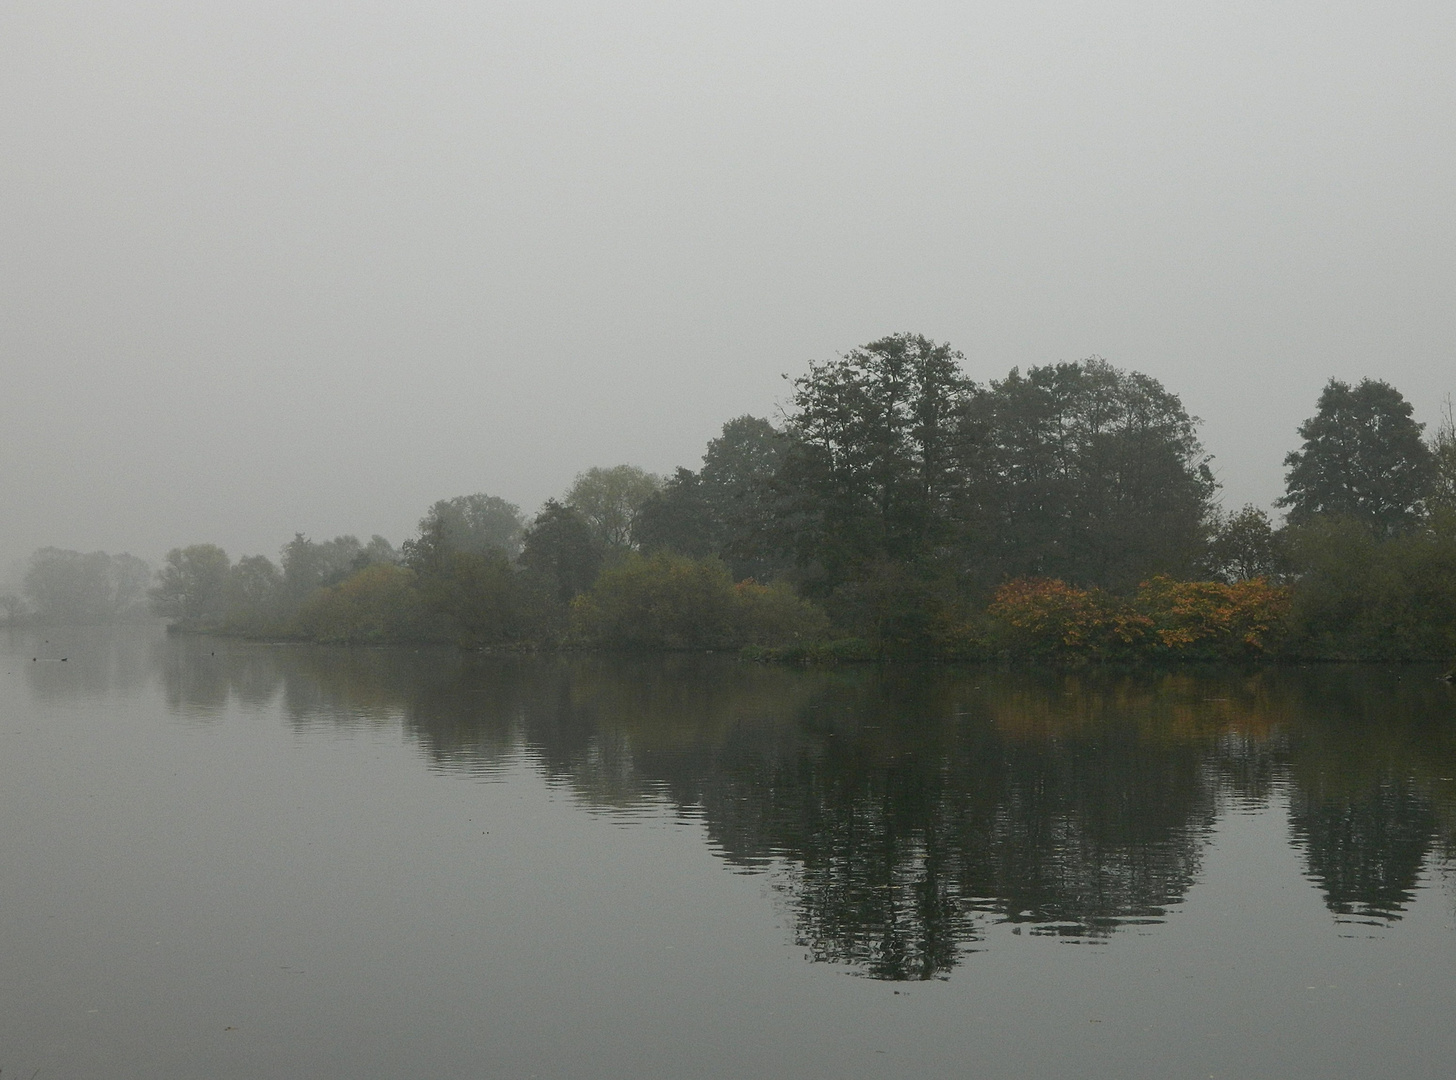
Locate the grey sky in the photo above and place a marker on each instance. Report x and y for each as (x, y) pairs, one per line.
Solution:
(307, 266)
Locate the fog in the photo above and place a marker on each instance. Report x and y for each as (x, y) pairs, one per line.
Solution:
(268, 268)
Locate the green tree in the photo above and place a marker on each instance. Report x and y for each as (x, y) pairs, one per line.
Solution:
(726, 509)
(192, 585)
(1089, 474)
(378, 552)
(1443, 459)
(476, 599)
(560, 552)
(1245, 545)
(378, 603)
(1360, 597)
(312, 564)
(467, 523)
(875, 464)
(669, 601)
(254, 595)
(679, 518)
(1363, 458)
(609, 499)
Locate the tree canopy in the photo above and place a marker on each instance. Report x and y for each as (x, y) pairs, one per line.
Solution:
(1091, 473)
(609, 499)
(1363, 458)
(874, 468)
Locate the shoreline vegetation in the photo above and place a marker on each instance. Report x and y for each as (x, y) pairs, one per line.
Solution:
(1065, 515)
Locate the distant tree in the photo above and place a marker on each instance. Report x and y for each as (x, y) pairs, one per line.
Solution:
(609, 499)
(669, 601)
(1363, 458)
(1089, 474)
(71, 586)
(874, 466)
(192, 584)
(1244, 545)
(379, 603)
(254, 595)
(1443, 458)
(728, 508)
(310, 564)
(476, 523)
(12, 607)
(378, 552)
(560, 551)
(130, 578)
(678, 517)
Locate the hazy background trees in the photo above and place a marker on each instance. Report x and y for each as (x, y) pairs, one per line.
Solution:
(467, 523)
(1443, 462)
(60, 585)
(608, 500)
(192, 585)
(728, 508)
(892, 512)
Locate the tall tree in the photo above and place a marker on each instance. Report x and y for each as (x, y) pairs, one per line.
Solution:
(1363, 458)
(254, 594)
(192, 584)
(467, 523)
(1443, 459)
(560, 551)
(73, 586)
(678, 517)
(725, 509)
(314, 564)
(1244, 545)
(875, 465)
(609, 499)
(1089, 473)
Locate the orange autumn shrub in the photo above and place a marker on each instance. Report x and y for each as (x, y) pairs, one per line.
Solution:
(1212, 620)
(1048, 619)
(1042, 618)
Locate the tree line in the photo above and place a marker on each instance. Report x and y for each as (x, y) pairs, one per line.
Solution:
(901, 508)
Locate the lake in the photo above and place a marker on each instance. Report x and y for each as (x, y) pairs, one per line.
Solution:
(229, 859)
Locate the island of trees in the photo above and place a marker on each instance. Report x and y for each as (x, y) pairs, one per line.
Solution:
(899, 509)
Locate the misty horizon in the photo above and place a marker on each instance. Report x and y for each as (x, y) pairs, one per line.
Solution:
(306, 270)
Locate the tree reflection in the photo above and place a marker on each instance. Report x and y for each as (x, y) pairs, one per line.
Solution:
(902, 810)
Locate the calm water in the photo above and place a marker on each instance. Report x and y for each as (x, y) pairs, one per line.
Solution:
(220, 859)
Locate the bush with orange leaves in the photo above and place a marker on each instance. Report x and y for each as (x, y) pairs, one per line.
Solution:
(1047, 619)
(1040, 618)
(1212, 620)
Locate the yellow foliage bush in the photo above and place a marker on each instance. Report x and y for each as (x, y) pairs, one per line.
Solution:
(1186, 620)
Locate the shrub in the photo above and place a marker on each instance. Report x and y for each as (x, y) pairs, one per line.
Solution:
(668, 601)
(776, 616)
(1183, 620)
(1359, 597)
(378, 603)
(1212, 620)
(1043, 618)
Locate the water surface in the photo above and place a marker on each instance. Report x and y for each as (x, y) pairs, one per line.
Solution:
(227, 859)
